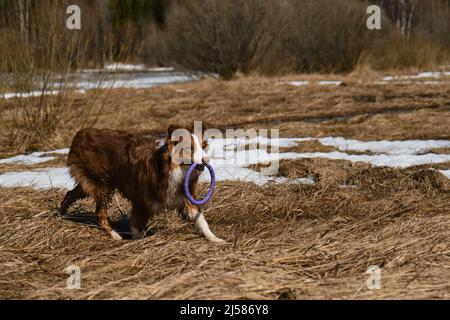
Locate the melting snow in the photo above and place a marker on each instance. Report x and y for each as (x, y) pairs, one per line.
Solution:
(37, 93)
(409, 147)
(299, 83)
(231, 158)
(139, 82)
(125, 67)
(38, 179)
(113, 76)
(330, 83)
(393, 161)
(135, 67)
(322, 83)
(445, 173)
(422, 75)
(33, 158)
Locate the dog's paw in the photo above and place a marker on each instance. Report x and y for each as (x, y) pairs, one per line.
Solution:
(115, 235)
(60, 212)
(217, 240)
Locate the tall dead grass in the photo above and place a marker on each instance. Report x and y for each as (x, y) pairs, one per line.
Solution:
(393, 53)
(284, 241)
(44, 63)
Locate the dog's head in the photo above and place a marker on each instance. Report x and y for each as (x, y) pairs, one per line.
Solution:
(187, 145)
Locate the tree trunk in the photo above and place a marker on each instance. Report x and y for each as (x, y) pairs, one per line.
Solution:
(413, 5)
(24, 19)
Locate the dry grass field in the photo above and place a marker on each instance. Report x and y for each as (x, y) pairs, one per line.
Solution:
(285, 241)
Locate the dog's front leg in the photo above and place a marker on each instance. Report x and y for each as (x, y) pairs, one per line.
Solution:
(193, 214)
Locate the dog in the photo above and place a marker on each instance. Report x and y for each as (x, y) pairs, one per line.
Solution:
(149, 175)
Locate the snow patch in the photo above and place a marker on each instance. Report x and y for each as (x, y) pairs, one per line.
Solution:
(393, 161)
(299, 83)
(321, 83)
(33, 158)
(125, 67)
(231, 159)
(38, 179)
(134, 67)
(410, 147)
(445, 173)
(330, 83)
(11, 95)
(421, 75)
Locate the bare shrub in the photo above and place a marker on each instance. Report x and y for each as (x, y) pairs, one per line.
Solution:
(41, 67)
(216, 36)
(153, 49)
(270, 36)
(424, 44)
(316, 36)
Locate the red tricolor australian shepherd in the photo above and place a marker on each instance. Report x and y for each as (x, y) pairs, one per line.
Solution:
(150, 176)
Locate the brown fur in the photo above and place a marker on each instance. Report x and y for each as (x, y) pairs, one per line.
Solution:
(103, 161)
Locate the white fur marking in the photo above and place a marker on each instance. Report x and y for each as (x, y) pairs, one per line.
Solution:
(203, 226)
(115, 235)
(176, 177)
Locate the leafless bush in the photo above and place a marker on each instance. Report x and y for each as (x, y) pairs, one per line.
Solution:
(316, 36)
(291, 36)
(216, 36)
(271, 36)
(153, 49)
(41, 65)
(423, 42)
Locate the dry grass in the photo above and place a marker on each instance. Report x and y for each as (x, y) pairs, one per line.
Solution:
(308, 146)
(360, 109)
(441, 150)
(59, 161)
(284, 240)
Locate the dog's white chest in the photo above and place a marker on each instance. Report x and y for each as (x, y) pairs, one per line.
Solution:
(174, 188)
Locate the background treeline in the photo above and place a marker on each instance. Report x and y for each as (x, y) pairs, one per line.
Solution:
(229, 36)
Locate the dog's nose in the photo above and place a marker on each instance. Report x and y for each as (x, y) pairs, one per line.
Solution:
(200, 167)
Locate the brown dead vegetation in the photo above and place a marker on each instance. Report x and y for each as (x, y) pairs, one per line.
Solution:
(311, 241)
(284, 240)
(361, 109)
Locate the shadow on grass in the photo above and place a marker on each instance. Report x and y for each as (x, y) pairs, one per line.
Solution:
(119, 224)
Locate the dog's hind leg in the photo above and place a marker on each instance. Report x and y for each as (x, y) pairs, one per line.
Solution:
(71, 196)
(102, 213)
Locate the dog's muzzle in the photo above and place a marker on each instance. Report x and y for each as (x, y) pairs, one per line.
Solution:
(200, 167)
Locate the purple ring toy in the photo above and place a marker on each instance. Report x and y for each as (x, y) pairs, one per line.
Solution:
(211, 186)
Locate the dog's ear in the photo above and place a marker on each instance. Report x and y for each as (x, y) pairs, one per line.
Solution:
(171, 129)
(137, 153)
